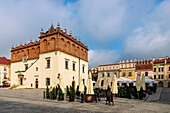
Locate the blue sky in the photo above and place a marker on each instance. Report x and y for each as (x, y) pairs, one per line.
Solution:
(114, 30)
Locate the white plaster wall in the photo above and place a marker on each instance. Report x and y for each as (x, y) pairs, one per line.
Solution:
(57, 65)
(18, 66)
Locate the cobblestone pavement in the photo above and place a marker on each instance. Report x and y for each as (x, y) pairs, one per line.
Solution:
(31, 101)
(165, 96)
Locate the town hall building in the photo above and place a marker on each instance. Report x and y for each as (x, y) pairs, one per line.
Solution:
(55, 56)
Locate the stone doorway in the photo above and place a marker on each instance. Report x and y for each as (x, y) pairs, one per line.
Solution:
(20, 79)
(160, 84)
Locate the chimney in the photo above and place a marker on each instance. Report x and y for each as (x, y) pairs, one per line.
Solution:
(167, 57)
(65, 31)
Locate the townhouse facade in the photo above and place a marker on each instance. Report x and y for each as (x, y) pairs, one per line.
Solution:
(145, 67)
(111, 70)
(55, 56)
(156, 69)
(168, 72)
(5, 70)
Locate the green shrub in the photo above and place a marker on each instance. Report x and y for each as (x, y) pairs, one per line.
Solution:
(54, 93)
(141, 93)
(128, 94)
(47, 93)
(135, 93)
(72, 94)
(121, 92)
(61, 94)
(68, 92)
(4, 83)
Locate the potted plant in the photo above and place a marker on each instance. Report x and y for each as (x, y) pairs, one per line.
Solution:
(135, 93)
(54, 93)
(121, 92)
(141, 93)
(68, 92)
(61, 94)
(72, 95)
(47, 93)
(128, 95)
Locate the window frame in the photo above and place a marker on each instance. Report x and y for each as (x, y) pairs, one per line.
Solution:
(74, 66)
(47, 81)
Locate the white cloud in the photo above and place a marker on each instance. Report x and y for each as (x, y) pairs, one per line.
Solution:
(103, 57)
(152, 39)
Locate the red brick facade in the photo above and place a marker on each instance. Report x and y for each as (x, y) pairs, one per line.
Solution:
(144, 65)
(54, 39)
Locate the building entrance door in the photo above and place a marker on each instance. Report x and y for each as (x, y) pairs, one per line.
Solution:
(169, 84)
(21, 81)
(160, 84)
(36, 84)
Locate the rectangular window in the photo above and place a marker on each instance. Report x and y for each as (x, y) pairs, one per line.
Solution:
(130, 73)
(162, 76)
(74, 68)
(146, 73)
(159, 69)
(169, 75)
(83, 69)
(48, 63)
(47, 81)
(169, 68)
(66, 64)
(159, 76)
(103, 75)
(162, 69)
(154, 76)
(154, 69)
(26, 66)
(4, 68)
(108, 74)
(123, 74)
(36, 68)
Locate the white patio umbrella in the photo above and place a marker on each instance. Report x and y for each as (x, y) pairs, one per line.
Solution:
(114, 85)
(143, 82)
(90, 85)
(105, 84)
(97, 83)
(81, 87)
(138, 82)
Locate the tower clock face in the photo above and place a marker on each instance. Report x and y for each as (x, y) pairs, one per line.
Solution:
(25, 58)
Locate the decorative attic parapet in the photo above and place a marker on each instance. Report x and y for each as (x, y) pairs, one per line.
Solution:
(25, 45)
(64, 33)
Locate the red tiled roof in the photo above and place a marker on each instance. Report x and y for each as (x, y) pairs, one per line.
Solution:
(159, 61)
(168, 60)
(4, 60)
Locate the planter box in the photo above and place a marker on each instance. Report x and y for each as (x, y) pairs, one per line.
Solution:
(89, 98)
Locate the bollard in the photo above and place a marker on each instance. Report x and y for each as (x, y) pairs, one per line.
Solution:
(96, 97)
(44, 94)
(81, 98)
(50, 95)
